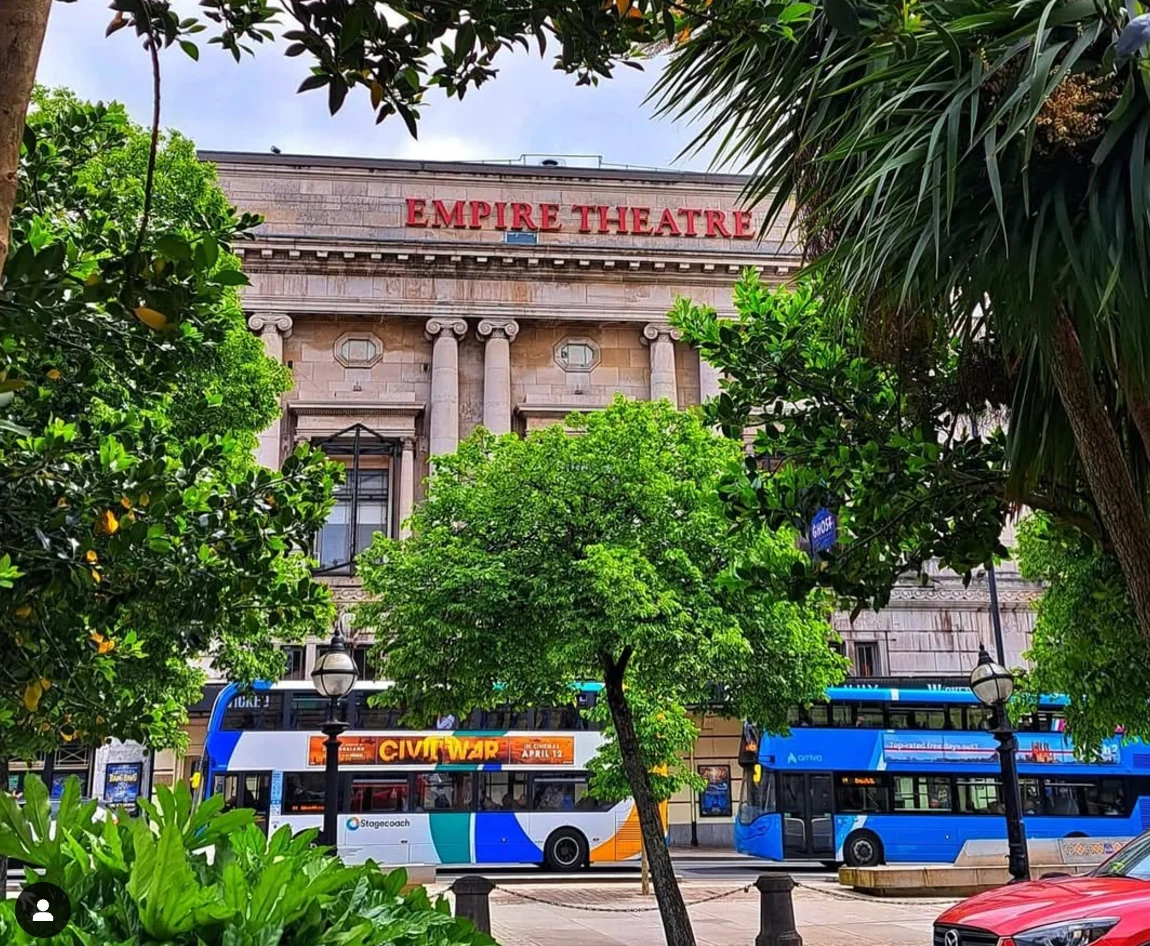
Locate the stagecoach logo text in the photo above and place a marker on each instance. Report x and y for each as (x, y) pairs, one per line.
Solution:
(447, 748)
(354, 823)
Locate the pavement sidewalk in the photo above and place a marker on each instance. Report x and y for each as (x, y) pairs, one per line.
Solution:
(614, 916)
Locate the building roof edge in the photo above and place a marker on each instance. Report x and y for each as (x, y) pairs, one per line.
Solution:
(467, 167)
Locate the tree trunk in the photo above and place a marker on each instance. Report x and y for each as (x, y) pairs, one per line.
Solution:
(1119, 505)
(22, 27)
(672, 909)
(3, 859)
(1138, 405)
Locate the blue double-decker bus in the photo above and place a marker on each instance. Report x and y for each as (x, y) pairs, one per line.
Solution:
(878, 775)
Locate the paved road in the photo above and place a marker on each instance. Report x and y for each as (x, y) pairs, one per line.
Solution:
(719, 869)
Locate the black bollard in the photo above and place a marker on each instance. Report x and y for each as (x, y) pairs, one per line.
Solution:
(471, 900)
(776, 911)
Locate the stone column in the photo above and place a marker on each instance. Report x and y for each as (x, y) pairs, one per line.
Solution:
(444, 419)
(708, 380)
(272, 329)
(406, 485)
(661, 338)
(498, 334)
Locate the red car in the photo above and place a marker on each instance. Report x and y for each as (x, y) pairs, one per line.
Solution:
(1110, 907)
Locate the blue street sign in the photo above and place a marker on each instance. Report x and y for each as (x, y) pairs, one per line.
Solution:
(824, 531)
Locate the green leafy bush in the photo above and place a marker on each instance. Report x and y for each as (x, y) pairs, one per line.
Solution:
(196, 876)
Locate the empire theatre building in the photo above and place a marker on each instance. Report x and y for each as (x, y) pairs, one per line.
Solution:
(413, 301)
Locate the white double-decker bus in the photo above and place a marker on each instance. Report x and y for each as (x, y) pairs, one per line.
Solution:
(502, 787)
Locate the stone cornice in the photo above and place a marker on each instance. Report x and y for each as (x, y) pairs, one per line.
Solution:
(307, 408)
(353, 307)
(560, 409)
(292, 255)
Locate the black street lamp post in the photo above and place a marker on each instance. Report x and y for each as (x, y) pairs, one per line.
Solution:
(334, 676)
(993, 684)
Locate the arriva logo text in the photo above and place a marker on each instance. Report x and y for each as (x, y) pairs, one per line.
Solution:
(793, 759)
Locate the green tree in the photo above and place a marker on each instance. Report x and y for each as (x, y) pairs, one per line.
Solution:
(1086, 642)
(887, 446)
(137, 532)
(596, 552)
(957, 168)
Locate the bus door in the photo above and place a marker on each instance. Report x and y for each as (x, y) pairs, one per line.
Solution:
(808, 815)
(245, 790)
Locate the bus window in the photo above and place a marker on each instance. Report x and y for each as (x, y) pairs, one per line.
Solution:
(842, 715)
(1031, 792)
(856, 794)
(820, 715)
(978, 718)
(756, 800)
(503, 718)
(380, 717)
(870, 716)
(980, 796)
(794, 716)
(558, 717)
(954, 718)
(308, 712)
(371, 795)
(563, 793)
(902, 717)
(930, 717)
(303, 793)
(254, 711)
(502, 791)
(922, 793)
(443, 791)
(1065, 797)
(1106, 797)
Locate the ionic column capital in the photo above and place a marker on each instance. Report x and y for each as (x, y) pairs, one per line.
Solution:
(656, 331)
(498, 328)
(407, 444)
(446, 327)
(265, 324)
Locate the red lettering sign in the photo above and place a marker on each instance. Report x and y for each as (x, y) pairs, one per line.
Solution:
(620, 220)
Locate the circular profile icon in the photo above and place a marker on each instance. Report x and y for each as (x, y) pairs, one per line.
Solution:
(353, 824)
(43, 910)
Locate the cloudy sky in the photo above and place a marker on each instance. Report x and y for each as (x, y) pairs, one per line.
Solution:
(529, 108)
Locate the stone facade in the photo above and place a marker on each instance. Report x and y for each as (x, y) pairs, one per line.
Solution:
(423, 299)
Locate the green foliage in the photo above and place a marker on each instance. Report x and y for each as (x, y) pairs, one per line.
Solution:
(666, 734)
(399, 52)
(956, 168)
(139, 533)
(1086, 641)
(183, 876)
(896, 460)
(535, 562)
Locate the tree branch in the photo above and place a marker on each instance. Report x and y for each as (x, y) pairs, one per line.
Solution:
(153, 48)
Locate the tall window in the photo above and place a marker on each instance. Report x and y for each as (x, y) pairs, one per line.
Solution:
(866, 659)
(294, 662)
(362, 503)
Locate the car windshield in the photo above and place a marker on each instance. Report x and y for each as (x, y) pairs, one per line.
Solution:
(1132, 861)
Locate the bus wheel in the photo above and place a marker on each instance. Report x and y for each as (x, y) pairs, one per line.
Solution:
(565, 850)
(862, 849)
